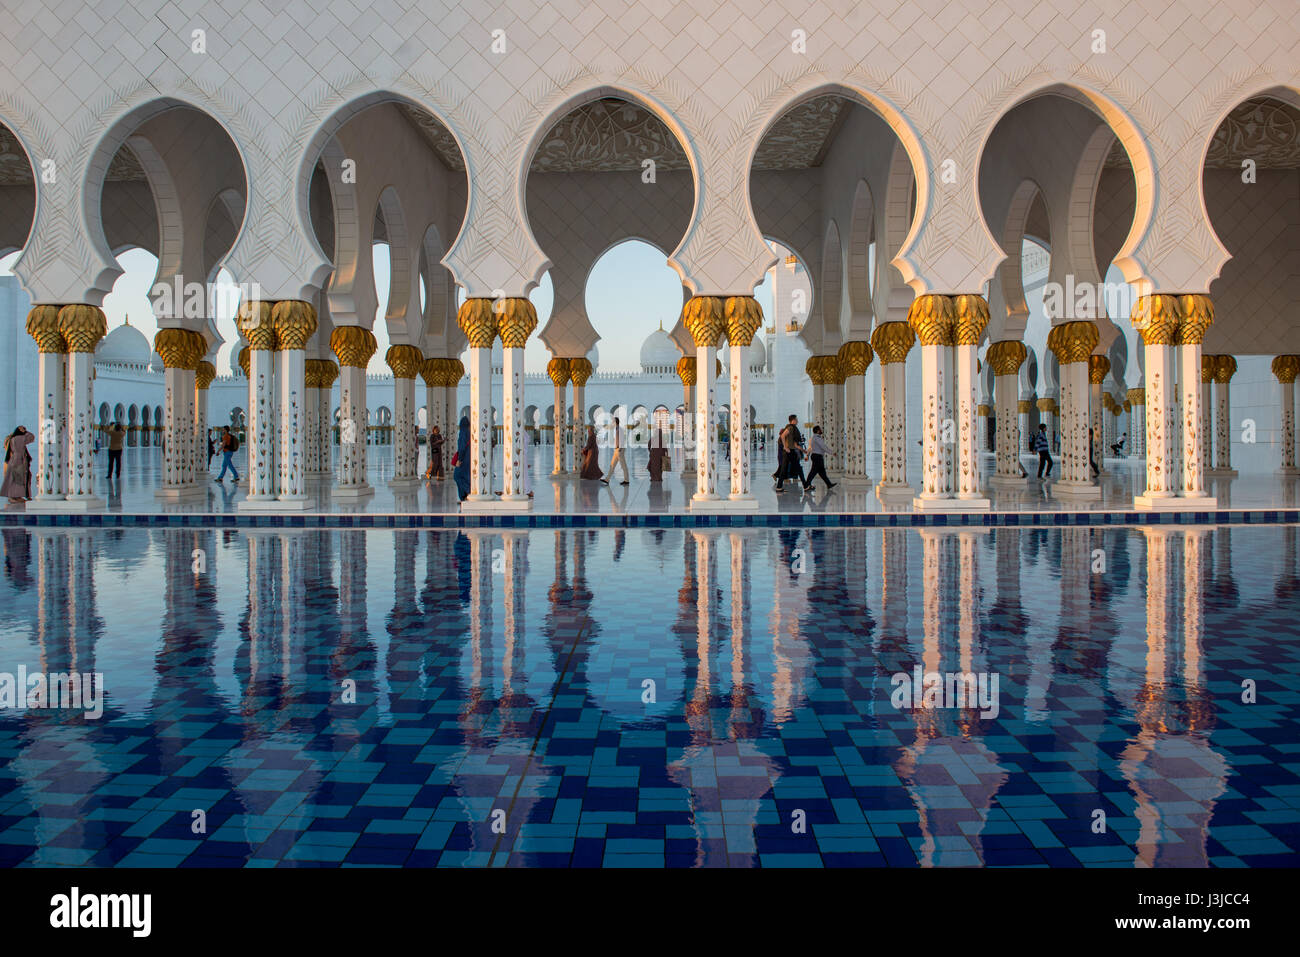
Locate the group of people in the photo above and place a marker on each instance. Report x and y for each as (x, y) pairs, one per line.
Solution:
(790, 452)
(17, 483)
(1038, 443)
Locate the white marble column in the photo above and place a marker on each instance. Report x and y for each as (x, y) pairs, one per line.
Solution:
(558, 370)
(686, 372)
(1156, 318)
(353, 346)
(1006, 392)
(1207, 410)
(743, 317)
(1285, 369)
(932, 317)
(1073, 343)
(295, 322)
(405, 360)
(516, 319)
(1098, 368)
(49, 478)
(432, 371)
(480, 425)
(970, 319)
(312, 420)
(579, 372)
(1195, 316)
(892, 341)
(703, 317)
(204, 373)
(1137, 426)
(854, 358)
(1224, 368)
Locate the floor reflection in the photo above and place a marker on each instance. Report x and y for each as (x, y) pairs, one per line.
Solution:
(662, 697)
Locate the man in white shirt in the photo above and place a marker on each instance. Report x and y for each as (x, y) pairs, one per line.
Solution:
(617, 458)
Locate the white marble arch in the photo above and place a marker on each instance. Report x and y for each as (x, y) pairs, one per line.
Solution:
(832, 298)
(1043, 161)
(860, 280)
(535, 260)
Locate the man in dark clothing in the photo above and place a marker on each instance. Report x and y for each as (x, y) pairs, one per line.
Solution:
(116, 440)
(791, 440)
(1039, 444)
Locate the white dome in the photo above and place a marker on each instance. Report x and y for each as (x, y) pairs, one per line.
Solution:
(658, 352)
(124, 346)
(757, 355)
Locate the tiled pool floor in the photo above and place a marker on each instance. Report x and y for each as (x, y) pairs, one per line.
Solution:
(660, 697)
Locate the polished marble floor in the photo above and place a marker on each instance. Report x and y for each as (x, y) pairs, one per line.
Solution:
(1256, 487)
(654, 697)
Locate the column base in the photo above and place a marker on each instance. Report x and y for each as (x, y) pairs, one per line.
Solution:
(297, 504)
(1009, 483)
(719, 504)
(405, 484)
(1168, 501)
(1080, 491)
(496, 503)
(1199, 502)
(352, 493)
(950, 504)
(897, 494)
(82, 503)
(1288, 471)
(268, 504)
(855, 483)
(1221, 473)
(182, 493)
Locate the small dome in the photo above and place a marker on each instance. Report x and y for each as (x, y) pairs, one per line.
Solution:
(156, 363)
(757, 355)
(124, 346)
(658, 352)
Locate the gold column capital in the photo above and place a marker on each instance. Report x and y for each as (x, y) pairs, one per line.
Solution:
(1224, 369)
(1006, 356)
(242, 360)
(204, 373)
(1047, 405)
(1286, 368)
(1196, 314)
(1137, 396)
(686, 370)
(1156, 317)
(516, 319)
(454, 371)
(82, 326)
(893, 341)
(744, 317)
(704, 319)
(353, 345)
(933, 318)
(1024, 405)
(1073, 341)
(405, 361)
(43, 326)
(1098, 366)
(558, 370)
(476, 319)
(254, 322)
(982, 409)
(1207, 367)
(294, 322)
(580, 371)
(971, 312)
(854, 357)
(175, 347)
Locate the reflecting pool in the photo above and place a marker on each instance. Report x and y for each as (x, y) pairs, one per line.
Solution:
(659, 697)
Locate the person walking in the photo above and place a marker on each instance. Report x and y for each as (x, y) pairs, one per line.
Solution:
(460, 470)
(591, 458)
(819, 453)
(17, 485)
(1092, 452)
(617, 458)
(229, 446)
(1039, 444)
(212, 449)
(436, 442)
(1118, 447)
(116, 441)
(792, 442)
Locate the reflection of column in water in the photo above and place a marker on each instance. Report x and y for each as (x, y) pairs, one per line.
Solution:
(706, 575)
(83, 625)
(1174, 774)
(789, 606)
(52, 598)
(262, 605)
(516, 568)
(741, 544)
(893, 588)
(293, 617)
